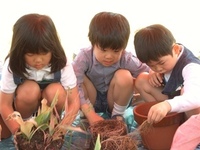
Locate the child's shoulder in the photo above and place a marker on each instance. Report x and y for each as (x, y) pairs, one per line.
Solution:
(6, 63)
(86, 49)
(85, 52)
(128, 55)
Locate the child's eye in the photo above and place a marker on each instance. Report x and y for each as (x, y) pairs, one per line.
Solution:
(29, 54)
(103, 49)
(43, 53)
(116, 51)
(162, 63)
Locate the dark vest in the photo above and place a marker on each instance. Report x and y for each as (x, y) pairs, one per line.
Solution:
(176, 79)
(42, 84)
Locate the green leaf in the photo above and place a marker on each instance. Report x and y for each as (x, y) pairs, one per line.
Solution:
(98, 143)
(43, 118)
(44, 113)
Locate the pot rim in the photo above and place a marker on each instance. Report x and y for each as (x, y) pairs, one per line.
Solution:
(170, 119)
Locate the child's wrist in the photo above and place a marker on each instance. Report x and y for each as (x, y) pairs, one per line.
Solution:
(87, 108)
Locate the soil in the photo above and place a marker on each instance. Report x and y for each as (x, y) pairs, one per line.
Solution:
(37, 142)
(113, 135)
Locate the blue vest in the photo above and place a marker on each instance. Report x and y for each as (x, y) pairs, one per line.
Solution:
(42, 84)
(176, 79)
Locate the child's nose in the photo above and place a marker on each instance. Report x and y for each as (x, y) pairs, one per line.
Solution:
(38, 59)
(158, 68)
(108, 55)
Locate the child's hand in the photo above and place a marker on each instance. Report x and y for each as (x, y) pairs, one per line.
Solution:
(155, 79)
(94, 118)
(90, 114)
(158, 111)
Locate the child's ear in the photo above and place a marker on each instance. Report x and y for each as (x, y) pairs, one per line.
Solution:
(177, 49)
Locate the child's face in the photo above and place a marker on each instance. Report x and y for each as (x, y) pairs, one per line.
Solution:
(38, 61)
(165, 63)
(107, 57)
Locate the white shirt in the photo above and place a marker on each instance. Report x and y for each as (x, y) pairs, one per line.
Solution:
(190, 98)
(68, 78)
(1, 66)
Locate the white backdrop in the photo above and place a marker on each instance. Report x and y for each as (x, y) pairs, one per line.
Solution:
(72, 18)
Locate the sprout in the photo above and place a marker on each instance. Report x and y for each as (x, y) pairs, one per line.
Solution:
(25, 126)
(46, 120)
(0, 132)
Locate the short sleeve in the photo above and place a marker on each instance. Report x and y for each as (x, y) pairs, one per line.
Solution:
(68, 77)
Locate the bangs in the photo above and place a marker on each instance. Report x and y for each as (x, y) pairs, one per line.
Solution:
(37, 44)
(151, 52)
(36, 49)
(150, 45)
(109, 30)
(110, 42)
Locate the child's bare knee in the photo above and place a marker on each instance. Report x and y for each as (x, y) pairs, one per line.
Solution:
(141, 80)
(123, 77)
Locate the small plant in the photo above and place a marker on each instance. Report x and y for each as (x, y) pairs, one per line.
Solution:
(112, 134)
(98, 143)
(45, 130)
(0, 132)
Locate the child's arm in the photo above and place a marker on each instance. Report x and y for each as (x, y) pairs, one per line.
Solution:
(6, 108)
(90, 114)
(158, 111)
(155, 79)
(73, 103)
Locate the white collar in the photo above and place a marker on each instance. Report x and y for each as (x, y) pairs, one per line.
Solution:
(47, 68)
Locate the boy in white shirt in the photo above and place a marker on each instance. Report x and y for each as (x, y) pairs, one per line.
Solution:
(174, 80)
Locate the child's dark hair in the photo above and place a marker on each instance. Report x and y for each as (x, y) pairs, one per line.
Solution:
(109, 30)
(35, 33)
(153, 42)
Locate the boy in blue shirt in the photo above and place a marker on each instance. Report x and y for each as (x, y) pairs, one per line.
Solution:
(105, 71)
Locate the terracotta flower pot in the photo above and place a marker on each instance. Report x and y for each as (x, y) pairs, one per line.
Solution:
(160, 135)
